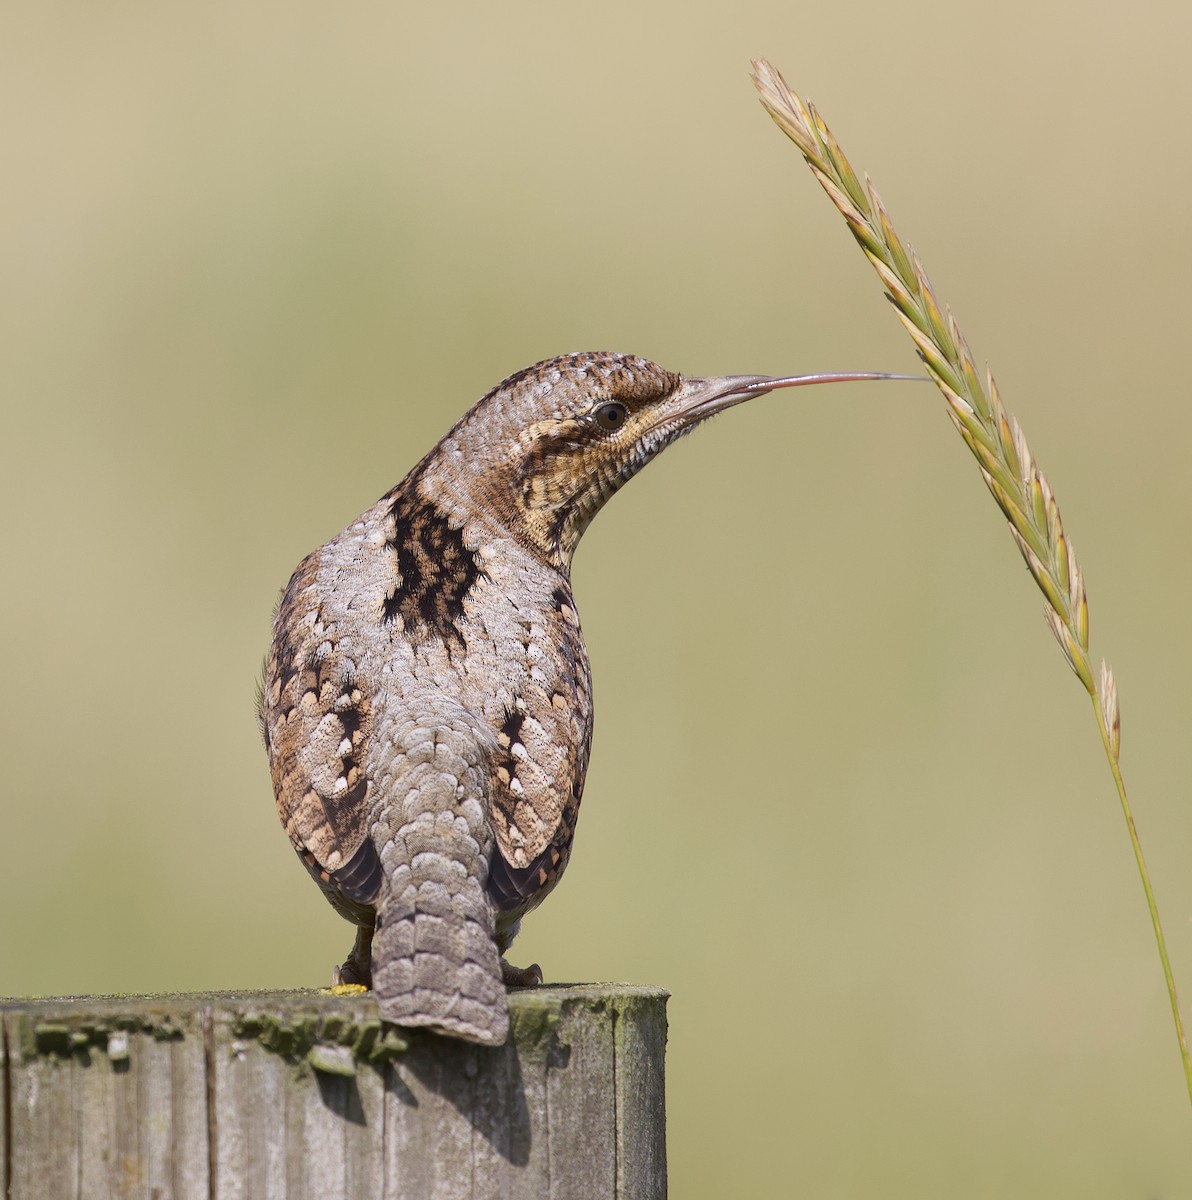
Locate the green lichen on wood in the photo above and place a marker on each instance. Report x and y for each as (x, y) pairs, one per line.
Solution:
(58, 1037)
(331, 1060)
(534, 1018)
(318, 1039)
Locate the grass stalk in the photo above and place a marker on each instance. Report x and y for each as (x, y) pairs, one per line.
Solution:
(990, 432)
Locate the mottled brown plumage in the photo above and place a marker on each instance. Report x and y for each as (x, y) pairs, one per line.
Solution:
(427, 703)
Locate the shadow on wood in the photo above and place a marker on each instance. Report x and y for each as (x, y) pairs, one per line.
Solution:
(301, 1094)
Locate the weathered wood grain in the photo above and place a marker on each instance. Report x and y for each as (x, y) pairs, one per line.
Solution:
(297, 1110)
(106, 1098)
(296, 1095)
(640, 1087)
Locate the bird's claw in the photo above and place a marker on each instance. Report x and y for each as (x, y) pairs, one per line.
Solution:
(521, 977)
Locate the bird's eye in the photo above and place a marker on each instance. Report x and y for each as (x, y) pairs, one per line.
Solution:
(610, 416)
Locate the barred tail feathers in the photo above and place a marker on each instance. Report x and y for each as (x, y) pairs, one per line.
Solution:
(435, 961)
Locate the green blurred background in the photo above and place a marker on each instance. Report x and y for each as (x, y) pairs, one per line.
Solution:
(846, 799)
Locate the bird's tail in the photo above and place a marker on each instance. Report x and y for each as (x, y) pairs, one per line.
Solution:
(435, 962)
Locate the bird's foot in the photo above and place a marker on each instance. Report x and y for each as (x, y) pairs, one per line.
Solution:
(356, 971)
(352, 974)
(522, 977)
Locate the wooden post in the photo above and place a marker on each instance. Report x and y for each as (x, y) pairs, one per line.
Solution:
(290, 1095)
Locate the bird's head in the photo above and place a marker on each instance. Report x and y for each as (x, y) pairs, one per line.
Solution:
(546, 449)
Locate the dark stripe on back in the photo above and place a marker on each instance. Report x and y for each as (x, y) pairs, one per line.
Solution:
(437, 571)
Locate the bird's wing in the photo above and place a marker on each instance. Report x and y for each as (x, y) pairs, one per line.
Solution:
(539, 766)
(535, 786)
(316, 718)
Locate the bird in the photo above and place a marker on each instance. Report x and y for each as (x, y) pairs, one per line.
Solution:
(427, 699)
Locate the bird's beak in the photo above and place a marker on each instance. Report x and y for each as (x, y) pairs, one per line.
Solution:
(698, 399)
